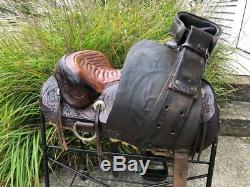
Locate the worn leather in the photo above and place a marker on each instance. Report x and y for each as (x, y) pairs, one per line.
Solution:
(183, 22)
(159, 100)
(83, 75)
(180, 169)
(50, 101)
(162, 83)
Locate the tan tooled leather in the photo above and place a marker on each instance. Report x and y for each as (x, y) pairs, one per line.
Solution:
(94, 68)
(83, 75)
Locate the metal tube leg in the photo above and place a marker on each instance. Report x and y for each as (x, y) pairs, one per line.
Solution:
(73, 180)
(44, 148)
(211, 163)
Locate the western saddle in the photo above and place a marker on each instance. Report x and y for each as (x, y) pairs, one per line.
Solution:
(158, 101)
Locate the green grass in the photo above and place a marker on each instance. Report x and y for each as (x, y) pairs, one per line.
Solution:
(217, 72)
(29, 52)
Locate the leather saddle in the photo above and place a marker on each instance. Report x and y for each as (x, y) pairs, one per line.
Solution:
(158, 101)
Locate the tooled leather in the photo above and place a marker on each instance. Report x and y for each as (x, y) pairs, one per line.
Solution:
(50, 100)
(94, 68)
(144, 91)
(83, 75)
(172, 125)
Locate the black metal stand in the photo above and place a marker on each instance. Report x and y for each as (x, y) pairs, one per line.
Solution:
(44, 147)
(211, 164)
(99, 180)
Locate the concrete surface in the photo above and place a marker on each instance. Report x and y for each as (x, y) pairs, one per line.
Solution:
(242, 88)
(235, 118)
(235, 114)
(232, 168)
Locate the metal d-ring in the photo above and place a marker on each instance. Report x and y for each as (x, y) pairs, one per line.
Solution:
(83, 139)
(99, 105)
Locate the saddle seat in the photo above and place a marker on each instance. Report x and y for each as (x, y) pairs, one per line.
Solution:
(83, 75)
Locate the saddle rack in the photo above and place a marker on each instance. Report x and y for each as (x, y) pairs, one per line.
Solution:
(159, 101)
(177, 164)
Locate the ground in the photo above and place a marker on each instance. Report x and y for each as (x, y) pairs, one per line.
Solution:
(232, 168)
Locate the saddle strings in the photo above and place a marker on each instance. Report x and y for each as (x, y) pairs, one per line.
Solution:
(97, 131)
(204, 131)
(59, 126)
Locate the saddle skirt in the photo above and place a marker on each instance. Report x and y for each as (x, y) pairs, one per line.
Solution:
(159, 100)
(50, 101)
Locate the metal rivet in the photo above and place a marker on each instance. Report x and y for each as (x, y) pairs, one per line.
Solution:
(202, 92)
(99, 103)
(172, 44)
(181, 113)
(193, 88)
(173, 132)
(177, 82)
(166, 107)
(58, 91)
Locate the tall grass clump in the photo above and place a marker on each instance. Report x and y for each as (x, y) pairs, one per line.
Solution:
(43, 34)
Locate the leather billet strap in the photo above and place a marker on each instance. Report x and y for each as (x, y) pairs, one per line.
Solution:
(198, 41)
(98, 133)
(192, 60)
(184, 21)
(195, 38)
(180, 168)
(160, 87)
(179, 94)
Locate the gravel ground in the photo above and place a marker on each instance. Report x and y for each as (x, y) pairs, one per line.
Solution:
(232, 168)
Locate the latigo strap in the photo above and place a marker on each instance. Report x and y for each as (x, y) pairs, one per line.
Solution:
(180, 168)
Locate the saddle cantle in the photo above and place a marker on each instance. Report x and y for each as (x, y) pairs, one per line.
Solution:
(159, 100)
(83, 75)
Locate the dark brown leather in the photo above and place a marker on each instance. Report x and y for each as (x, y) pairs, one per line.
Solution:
(180, 169)
(183, 22)
(83, 75)
(50, 100)
(160, 99)
(162, 85)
